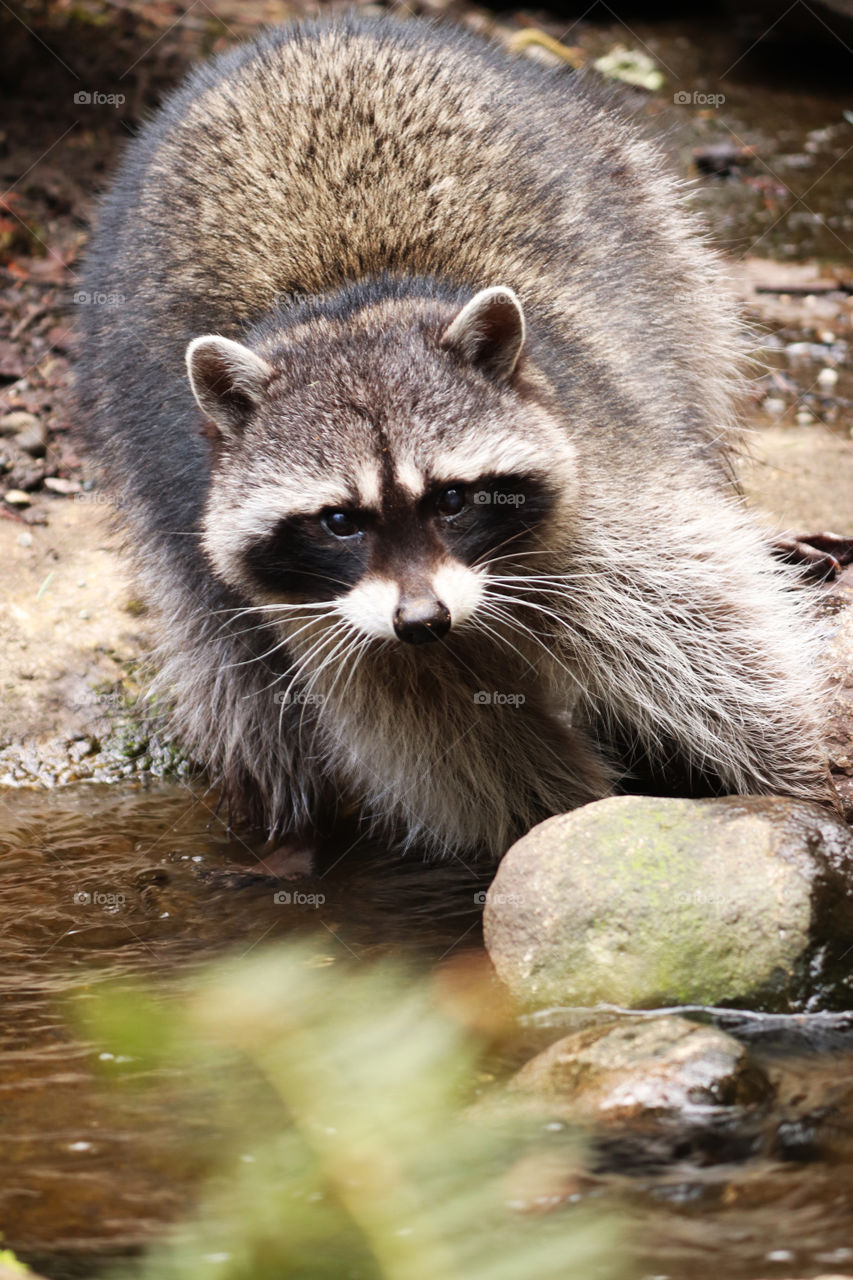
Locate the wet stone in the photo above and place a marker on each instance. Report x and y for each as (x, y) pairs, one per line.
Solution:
(640, 1069)
(643, 902)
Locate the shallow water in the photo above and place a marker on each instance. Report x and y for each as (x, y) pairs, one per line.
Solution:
(109, 882)
(128, 881)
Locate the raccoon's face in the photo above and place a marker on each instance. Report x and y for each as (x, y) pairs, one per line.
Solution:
(381, 470)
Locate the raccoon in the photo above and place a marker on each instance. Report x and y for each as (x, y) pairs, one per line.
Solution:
(419, 409)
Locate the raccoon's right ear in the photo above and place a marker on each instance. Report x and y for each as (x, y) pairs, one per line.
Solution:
(228, 381)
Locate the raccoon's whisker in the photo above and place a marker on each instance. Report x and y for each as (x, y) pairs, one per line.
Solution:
(551, 580)
(343, 637)
(487, 558)
(496, 606)
(315, 647)
(522, 602)
(366, 643)
(484, 626)
(278, 607)
(525, 594)
(520, 533)
(523, 629)
(282, 644)
(299, 664)
(352, 655)
(345, 643)
(242, 613)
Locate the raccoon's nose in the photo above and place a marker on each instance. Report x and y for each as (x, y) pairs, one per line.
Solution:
(421, 618)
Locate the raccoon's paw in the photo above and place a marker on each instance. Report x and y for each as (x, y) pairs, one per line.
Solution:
(820, 555)
(293, 860)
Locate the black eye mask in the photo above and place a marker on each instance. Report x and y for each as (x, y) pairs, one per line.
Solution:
(501, 515)
(303, 556)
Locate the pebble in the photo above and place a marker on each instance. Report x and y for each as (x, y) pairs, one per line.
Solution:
(17, 498)
(13, 423)
(827, 378)
(57, 485)
(33, 440)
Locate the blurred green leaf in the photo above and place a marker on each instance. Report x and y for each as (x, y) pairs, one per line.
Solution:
(352, 1149)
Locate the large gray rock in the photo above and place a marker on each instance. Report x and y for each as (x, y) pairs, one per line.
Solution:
(637, 901)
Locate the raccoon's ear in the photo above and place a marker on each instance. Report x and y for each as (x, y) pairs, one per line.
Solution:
(489, 331)
(227, 379)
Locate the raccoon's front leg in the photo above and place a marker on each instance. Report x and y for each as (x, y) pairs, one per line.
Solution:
(702, 654)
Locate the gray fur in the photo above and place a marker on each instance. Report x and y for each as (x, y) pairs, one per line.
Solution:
(333, 197)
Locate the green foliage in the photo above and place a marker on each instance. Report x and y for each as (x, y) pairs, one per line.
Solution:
(11, 1265)
(350, 1147)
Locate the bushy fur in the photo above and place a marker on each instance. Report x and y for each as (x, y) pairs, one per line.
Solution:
(330, 196)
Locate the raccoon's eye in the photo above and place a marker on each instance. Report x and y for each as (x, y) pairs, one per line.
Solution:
(341, 524)
(450, 501)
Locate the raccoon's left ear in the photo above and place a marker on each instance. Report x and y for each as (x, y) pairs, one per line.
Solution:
(228, 381)
(489, 332)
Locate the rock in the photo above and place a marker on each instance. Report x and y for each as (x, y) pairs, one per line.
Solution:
(17, 498)
(33, 439)
(57, 485)
(644, 1069)
(13, 423)
(637, 901)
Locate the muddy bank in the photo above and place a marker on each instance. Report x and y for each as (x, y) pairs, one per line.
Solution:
(73, 640)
